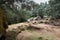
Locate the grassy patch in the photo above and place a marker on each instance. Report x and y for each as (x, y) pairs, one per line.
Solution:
(37, 36)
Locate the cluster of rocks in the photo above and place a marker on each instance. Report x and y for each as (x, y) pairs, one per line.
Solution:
(38, 19)
(46, 20)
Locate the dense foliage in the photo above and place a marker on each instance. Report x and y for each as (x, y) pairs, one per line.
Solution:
(21, 10)
(55, 8)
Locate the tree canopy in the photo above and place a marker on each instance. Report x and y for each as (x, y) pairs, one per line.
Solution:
(21, 10)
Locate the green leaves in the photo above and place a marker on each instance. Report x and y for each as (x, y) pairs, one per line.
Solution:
(55, 7)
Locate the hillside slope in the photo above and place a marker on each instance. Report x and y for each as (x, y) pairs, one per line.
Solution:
(41, 29)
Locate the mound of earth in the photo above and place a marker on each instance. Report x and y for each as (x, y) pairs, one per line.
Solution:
(24, 31)
(26, 35)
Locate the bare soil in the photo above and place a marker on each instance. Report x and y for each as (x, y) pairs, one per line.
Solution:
(42, 29)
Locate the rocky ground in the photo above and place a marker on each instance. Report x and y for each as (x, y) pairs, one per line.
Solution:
(31, 31)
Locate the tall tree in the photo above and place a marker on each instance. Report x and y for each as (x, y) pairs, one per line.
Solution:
(55, 7)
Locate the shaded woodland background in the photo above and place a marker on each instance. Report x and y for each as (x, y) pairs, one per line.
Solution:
(20, 10)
